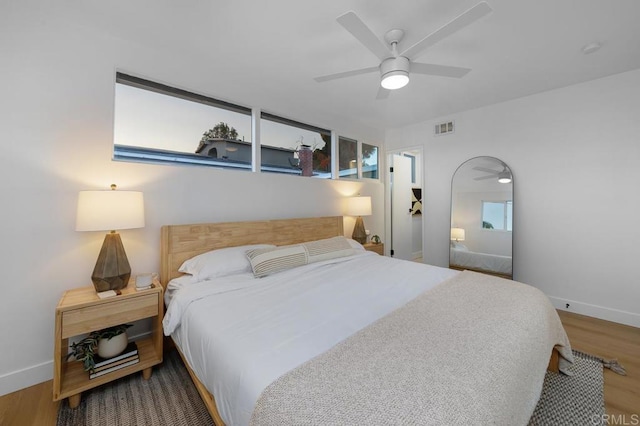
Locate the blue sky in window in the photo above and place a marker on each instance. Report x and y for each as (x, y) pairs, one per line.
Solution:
(152, 120)
(372, 158)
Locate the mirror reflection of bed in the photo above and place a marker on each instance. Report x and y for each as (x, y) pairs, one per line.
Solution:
(482, 217)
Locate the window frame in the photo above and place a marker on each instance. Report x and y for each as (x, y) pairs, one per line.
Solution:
(354, 176)
(505, 217)
(304, 126)
(129, 153)
(362, 159)
(412, 157)
(148, 155)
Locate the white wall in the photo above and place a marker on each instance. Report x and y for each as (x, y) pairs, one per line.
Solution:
(467, 214)
(575, 157)
(56, 122)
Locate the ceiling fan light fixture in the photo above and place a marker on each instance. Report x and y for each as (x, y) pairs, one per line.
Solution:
(394, 73)
(504, 177)
(395, 80)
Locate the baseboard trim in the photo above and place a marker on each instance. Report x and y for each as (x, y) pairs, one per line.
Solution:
(29, 376)
(26, 377)
(608, 314)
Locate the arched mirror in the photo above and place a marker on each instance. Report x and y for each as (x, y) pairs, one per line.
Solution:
(482, 217)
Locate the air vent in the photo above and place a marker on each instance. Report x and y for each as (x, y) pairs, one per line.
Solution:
(444, 128)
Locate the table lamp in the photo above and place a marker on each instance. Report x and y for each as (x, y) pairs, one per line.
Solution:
(457, 234)
(359, 206)
(108, 211)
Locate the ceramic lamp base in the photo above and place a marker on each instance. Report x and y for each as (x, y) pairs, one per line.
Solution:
(359, 233)
(112, 271)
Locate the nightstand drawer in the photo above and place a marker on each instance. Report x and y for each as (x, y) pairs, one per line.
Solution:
(107, 314)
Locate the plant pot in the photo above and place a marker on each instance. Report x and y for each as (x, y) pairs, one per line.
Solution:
(108, 348)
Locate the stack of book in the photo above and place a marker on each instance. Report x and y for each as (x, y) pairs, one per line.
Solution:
(125, 359)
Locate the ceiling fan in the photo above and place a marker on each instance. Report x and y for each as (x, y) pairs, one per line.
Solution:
(395, 66)
(504, 176)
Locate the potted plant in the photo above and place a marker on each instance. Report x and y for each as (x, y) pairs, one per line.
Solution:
(106, 343)
(375, 239)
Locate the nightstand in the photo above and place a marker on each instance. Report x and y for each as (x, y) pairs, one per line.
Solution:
(377, 248)
(81, 311)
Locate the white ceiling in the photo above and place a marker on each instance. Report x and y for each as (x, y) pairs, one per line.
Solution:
(272, 50)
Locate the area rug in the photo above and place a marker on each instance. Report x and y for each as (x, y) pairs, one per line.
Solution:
(572, 400)
(170, 398)
(167, 398)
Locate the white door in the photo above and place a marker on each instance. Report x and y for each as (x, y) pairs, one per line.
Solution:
(401, 229)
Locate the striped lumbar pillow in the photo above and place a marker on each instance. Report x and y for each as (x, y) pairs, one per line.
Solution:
(266, 261)
(330, 248)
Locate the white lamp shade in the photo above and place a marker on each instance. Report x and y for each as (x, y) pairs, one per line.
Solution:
(457, 234)
(358, 206)
(109, 210)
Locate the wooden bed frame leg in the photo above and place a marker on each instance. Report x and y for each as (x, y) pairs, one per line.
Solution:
(554, 361)
(146, 373)
(74, 400)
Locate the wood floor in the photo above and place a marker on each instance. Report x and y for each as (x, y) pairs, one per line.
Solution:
(33, 406)
(610, 340)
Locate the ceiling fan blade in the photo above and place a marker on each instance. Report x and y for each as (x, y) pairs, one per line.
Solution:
(360, 31)
(345, 74)
(486, 170)
(467, 18)
(485, 177)
(441, 70)
(382, 93)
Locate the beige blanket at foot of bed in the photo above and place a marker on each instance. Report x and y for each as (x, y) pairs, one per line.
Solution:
(473, 350)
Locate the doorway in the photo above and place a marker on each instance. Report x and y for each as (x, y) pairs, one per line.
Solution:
(404, 192)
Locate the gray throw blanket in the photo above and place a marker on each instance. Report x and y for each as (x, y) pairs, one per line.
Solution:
(473, 350)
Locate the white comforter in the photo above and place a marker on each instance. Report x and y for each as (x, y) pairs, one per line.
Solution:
(481, 261)
(239, 334)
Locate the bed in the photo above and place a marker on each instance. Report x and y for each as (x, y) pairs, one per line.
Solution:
(461, 258)
(300, 345)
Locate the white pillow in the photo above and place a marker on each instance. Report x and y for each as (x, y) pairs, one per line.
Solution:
(457, 246)
(355, 245)
(220, 263)
(175, 285)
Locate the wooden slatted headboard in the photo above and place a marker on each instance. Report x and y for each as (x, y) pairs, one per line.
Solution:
(182, 242)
